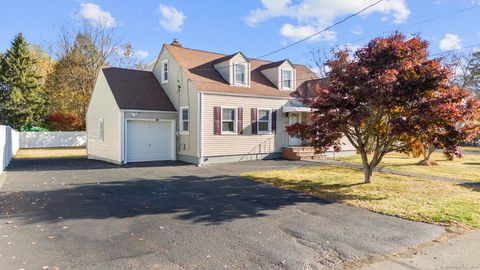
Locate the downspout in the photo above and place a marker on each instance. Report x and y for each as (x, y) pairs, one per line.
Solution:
(200, 128)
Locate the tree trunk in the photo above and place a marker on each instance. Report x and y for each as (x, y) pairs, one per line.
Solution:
(428, 151)
(367, 168)
(368, 172)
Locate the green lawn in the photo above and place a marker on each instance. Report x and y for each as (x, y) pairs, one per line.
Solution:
(466, 168)
(406, 197)
(51, 153)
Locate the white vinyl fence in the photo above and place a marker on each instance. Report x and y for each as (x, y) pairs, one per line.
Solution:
(9, 144)
(53, 139)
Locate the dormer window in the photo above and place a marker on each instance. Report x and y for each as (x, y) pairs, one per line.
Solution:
(287, 79)
(240, 70)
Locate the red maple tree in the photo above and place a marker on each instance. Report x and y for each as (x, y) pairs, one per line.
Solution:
(450, 118)
(377, 98)
(64, 121)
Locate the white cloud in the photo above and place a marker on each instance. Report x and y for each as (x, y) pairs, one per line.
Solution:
(357, 30)
(141, 54)
(95, 15)
(450, 42)
(296, 33)
(171, 19)
(317, 14)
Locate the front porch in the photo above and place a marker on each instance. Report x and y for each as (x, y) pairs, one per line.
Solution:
(301, 153)
(295, 148)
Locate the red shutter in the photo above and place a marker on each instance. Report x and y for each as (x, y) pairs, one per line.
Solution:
(240, 120)
(254, 120)
(274, 121)
(217, 121)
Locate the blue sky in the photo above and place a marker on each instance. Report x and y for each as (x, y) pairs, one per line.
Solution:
(252, 26)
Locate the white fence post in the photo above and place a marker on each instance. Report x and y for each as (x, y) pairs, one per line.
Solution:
(9, 144)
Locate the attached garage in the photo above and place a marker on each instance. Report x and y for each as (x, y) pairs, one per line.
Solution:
(150, 140)
(130, 118)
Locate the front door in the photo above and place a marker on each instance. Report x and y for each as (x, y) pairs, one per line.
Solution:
(293, 118)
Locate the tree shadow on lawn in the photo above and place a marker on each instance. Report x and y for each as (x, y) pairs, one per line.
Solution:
(330, 192)
(210, 200)
(475, 186)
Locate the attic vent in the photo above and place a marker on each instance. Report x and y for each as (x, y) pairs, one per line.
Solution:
(175, 42)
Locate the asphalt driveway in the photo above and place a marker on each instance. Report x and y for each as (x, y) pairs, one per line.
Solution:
(80, 214)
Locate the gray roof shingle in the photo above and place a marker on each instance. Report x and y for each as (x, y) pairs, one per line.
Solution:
(137, 90)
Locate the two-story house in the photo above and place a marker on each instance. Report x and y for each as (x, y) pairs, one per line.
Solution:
(195, 106)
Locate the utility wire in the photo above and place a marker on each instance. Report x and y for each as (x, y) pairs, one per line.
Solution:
(360, 39)
(411, 25)
(315, 77)
(301, 40)
(456, 50)
(323, 30)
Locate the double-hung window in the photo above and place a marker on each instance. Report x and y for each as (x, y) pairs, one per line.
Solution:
(287, 79)
(229, 117)
(240, 70)
(164, 66)
(184, 120)
(264, 121)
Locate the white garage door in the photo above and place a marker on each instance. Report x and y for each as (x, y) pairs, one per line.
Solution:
(149, 140)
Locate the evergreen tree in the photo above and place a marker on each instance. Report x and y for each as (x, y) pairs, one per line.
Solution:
(22, 100)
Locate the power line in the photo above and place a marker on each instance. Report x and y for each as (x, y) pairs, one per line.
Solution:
(323, 30)
(456, 50)
(303, 39)
(312, 78)
(412, 24)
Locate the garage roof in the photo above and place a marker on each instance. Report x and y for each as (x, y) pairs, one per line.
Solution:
(137, 90)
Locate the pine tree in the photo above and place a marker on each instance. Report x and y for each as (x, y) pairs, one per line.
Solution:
(22, 100)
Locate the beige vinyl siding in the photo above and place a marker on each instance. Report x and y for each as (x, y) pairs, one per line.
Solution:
(228, 144)
(103, 106)
(187, 96)
(149, 115)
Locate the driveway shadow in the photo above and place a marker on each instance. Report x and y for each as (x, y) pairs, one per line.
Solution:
(208, 200)
(65, 164)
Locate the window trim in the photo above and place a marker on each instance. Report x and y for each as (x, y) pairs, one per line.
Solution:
(101, 130)
(282, 80)
(162, 69)
(235, 82)
(181, 120)
(269, 121)
(235, 121)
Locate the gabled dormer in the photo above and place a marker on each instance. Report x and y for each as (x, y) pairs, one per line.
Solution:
(281, 73)
(235, 69)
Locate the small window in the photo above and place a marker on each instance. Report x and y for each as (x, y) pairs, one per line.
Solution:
(264, 121)
(184, 120)
(287, 79)
(165, 71)
(101, 130)
(228, 120)
(240, 74)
